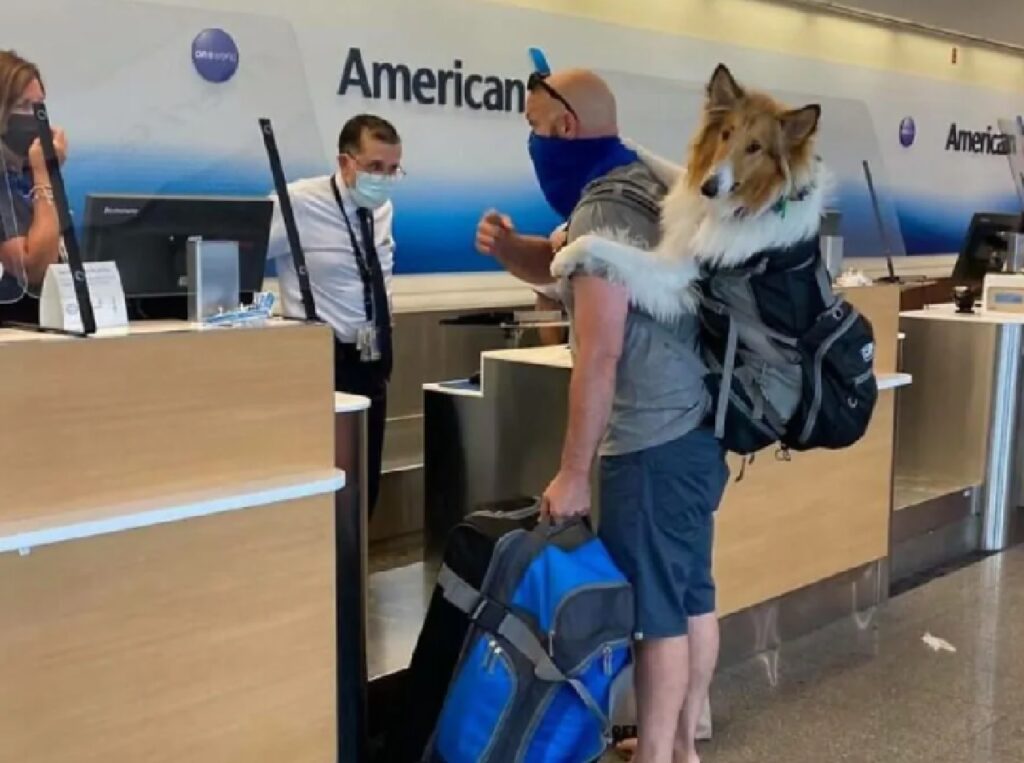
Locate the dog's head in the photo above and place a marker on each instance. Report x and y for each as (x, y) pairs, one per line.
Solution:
(750, 150)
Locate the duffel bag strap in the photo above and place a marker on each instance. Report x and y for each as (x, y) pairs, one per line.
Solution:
(457, 591)
(495, 618)
(481, 609)
(519, 635)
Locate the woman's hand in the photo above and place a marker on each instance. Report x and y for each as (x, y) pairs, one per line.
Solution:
(36, 158)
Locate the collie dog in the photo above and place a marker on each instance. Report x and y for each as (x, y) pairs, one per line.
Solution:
(752, 184)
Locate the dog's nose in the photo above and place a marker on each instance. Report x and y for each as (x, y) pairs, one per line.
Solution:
(710, 187)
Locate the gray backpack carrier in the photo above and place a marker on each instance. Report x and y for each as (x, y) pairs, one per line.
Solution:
(790, 361)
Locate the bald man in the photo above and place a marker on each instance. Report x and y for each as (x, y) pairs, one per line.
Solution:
(636, 398)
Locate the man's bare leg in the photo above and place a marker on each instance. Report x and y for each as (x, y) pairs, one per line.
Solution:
(703, 656)
(661, 677)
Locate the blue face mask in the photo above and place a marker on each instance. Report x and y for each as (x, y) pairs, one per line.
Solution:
(371, 190)
(565, 166)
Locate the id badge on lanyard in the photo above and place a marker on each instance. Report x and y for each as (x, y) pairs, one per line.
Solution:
(367, 335)
(368, 343)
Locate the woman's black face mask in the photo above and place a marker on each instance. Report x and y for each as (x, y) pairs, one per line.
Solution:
(20, 134)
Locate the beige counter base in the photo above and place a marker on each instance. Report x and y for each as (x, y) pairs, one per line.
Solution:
(787, 525)
(174, 489)
(158, 644)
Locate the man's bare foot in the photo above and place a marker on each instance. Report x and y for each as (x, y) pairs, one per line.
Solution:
(626, 749)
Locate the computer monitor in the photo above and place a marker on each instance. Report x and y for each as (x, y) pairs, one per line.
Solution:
(147, 237)
(985, 246)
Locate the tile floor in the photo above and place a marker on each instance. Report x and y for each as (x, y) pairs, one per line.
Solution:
(877, 696)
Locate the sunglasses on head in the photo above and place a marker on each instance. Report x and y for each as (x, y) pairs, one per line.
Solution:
(537, 80)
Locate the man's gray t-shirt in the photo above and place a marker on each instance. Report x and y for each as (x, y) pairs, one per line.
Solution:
(659, 387)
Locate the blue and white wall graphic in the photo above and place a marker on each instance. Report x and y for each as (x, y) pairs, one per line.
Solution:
(160, 98)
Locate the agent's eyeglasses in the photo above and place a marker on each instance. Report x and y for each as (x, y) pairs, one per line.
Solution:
(538, 80)
(379, 168)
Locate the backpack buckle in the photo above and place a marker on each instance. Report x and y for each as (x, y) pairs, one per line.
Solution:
(488, 614)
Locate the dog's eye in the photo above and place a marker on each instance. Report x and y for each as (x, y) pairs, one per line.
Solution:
(726, 134)
(754, 147)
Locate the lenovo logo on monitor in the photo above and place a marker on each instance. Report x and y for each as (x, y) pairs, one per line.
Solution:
(120, 211)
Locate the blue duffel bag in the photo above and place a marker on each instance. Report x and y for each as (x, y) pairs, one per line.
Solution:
(551, 634)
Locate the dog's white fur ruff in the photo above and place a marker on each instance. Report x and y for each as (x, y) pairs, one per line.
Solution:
(661, 281)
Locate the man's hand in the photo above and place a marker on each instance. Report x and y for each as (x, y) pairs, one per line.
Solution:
(567, 496)
(494, 233)
(37, 161)
(558, 238)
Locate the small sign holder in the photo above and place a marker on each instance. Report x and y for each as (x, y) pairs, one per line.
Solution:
(59, 307)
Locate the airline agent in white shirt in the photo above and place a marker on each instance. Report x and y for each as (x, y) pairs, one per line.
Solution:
(344, 221)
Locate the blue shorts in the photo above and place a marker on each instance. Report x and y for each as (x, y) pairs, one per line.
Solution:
(657, 521)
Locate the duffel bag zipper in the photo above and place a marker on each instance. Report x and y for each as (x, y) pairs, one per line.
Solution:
(552, 633)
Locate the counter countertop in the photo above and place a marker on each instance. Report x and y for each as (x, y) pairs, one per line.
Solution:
(948, 313)
(138, 328)
(556, 356)
(559, 356)
(345, 403)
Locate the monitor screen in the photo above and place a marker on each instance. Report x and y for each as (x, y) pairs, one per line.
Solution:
(985, 246)
(146, 236)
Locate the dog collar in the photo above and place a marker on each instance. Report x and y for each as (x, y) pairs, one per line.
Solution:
(800, 194)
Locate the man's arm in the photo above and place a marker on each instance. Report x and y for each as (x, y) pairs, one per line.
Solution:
(528, 258)
(600, 309)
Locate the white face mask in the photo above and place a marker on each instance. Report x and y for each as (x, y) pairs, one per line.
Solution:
(371, 190)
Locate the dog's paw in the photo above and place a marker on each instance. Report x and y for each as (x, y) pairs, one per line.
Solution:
(589, 252)
(570, 257)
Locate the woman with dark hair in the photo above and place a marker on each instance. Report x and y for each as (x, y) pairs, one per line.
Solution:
(29, 229)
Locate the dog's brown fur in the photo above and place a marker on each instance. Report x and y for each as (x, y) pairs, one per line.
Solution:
(768, 143)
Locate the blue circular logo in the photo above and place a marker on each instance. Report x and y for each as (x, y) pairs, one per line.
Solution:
(908, 131)
(215, 55)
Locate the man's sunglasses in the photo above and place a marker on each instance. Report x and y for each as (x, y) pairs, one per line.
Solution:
(537, 80)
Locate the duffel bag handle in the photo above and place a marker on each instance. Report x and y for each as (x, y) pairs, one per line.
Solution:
(548, 527)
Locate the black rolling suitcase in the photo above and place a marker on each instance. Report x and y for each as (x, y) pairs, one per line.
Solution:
(468, 553)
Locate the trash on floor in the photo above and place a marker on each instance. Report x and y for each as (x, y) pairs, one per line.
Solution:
(937, 644)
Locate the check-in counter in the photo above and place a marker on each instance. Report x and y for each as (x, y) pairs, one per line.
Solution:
(798, 542)
(167, 546)
(958, 459)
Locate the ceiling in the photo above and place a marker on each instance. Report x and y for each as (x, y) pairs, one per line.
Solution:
(997, 20)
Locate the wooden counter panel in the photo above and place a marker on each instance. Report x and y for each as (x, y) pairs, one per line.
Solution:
(788, 525)
(880, 305)
(209, 640)
(115, 420)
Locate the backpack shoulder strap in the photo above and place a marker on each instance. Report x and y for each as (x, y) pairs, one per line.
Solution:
(620, 190)
(807, 254)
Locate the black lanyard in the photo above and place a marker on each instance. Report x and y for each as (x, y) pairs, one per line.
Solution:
(361, 262)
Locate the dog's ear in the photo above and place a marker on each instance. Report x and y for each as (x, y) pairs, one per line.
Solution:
(723, 90)
(800, 125)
